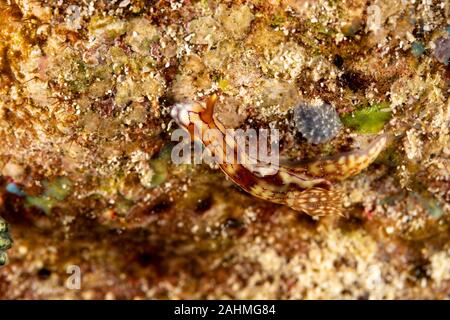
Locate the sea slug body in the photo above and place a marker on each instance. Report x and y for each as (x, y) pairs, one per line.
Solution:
(304, 187)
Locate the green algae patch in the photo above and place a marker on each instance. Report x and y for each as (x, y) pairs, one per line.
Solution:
(58, 189)
(55, 191)
(431, 205)
(78, 78)
(43, 203)
(370, 119)
(433, 208)
(123, 206)
(160, 167)
(278, 20)
(417, 49)
(223, 84)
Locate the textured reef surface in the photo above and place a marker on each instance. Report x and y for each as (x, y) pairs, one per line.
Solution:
(86, 90)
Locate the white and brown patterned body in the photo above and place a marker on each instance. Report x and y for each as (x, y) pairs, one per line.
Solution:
(303, 187)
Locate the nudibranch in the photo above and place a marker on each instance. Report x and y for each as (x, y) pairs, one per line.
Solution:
(304, 187)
